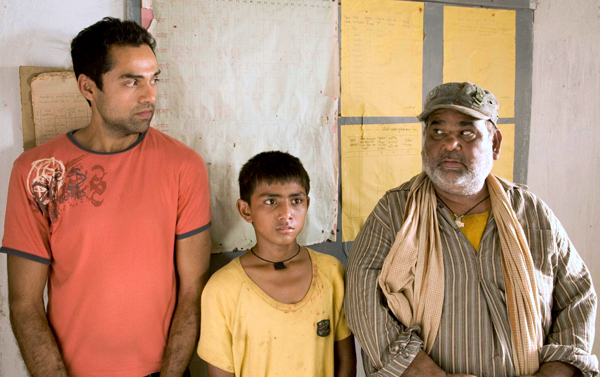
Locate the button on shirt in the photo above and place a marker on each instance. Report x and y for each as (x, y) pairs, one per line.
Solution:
(474, 335)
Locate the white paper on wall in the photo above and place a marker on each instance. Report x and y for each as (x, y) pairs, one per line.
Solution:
(242, 76)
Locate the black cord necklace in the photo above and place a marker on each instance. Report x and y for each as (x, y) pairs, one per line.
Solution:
(458, 219)
(277, 265)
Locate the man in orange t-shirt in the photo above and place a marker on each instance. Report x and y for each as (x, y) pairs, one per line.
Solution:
(115, 217)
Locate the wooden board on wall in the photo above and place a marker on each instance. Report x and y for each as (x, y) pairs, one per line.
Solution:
(26, 74)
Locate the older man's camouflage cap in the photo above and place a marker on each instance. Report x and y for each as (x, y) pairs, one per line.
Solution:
(465, 97)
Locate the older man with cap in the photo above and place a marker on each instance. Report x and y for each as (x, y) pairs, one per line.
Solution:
(460, 273)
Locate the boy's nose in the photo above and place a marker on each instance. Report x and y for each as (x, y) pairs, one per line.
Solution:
(285, 211)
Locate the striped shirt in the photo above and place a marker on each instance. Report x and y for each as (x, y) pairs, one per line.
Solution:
(474, 335)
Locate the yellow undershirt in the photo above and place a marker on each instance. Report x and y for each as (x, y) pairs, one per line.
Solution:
(474, 227)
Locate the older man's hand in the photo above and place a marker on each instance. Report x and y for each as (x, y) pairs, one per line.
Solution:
(555, 369)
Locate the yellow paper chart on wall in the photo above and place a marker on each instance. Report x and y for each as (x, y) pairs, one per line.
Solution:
(479, 46)
(382, 58)
(375, 159)
(504, 166)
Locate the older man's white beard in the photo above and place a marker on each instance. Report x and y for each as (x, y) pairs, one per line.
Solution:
(465, 183)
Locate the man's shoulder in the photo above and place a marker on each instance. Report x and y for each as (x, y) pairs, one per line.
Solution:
(531, 210)
(403, 188)
(509, 185)
(55, 151)
(174, 147)
(395, 198)
(519, 193)
(48, 149)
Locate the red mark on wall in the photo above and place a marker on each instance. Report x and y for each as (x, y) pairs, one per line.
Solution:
(147, 17)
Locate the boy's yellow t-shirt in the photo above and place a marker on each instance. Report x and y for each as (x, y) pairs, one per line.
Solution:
(246, 332)
(474, 227)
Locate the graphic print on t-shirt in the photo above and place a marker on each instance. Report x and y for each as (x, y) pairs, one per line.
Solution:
(52, 183)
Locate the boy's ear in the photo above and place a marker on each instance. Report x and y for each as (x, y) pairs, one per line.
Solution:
(244, 209)
(307, 202)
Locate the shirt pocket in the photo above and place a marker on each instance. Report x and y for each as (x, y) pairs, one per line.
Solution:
(543, 253)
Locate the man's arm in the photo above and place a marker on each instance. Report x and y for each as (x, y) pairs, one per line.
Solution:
(388, 345)
(423, 365)
(556, 369)
(192, 259)
(26, 282)
(345, 357)
(571, 333)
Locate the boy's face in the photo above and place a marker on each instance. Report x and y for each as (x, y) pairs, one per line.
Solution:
(277, 212)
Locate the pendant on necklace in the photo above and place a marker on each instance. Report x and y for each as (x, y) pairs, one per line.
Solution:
(279, 266)
(458, 221)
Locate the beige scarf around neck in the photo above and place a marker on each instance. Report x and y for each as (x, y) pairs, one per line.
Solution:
(412, 276)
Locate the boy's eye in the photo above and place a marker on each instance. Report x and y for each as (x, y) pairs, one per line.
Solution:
(270, 201)
(155, 80)
(131, 83)
(296, 200)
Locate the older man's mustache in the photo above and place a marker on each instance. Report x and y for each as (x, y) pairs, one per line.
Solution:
(451, 156)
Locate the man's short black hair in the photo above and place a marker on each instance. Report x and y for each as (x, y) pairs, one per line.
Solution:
(271, 167)
(90, 49)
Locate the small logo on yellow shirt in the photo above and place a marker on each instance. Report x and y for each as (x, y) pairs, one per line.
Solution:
(323, 328)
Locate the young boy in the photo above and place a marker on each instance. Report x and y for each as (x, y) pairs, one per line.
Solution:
(276, 310)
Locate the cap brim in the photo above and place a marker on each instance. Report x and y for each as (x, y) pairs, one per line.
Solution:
(465, 110)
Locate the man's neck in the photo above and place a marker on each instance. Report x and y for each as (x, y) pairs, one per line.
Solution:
(95, 138)
(460, 204)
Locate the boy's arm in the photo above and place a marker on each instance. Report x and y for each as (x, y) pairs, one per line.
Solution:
(213, 371)
(345, 358)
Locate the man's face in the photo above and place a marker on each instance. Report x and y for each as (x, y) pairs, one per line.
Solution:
(277, 212)
(126, 101)
(459, 151)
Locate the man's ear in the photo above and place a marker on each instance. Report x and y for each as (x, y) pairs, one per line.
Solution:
(244, 210)
(307, 202)
(87, 87)
(497, 143)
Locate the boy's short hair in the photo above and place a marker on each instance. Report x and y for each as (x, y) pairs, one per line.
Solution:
(271, 167)
(90, 49)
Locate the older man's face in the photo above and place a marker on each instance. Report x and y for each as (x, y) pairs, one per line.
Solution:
(459, 151)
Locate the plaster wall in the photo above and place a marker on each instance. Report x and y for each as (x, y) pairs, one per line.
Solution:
(564, 149)
(564, 146)
(32, 32)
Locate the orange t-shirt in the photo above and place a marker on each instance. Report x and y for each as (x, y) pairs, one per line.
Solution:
(106, 223)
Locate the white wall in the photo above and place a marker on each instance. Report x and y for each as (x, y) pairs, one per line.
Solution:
(564, 157)
(564, 147)
(32, 32)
